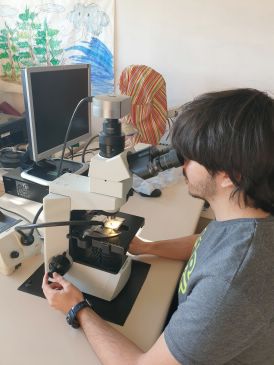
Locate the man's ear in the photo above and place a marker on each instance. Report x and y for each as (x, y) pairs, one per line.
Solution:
(225, 181)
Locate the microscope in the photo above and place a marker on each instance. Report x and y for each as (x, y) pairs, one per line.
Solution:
(86, 237)
(93, 255)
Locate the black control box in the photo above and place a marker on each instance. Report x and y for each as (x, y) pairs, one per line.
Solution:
(14, 184)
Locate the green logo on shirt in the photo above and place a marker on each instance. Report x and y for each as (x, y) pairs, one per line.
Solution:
(190, 266)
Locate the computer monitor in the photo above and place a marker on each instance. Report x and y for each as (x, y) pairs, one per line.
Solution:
(51, 94)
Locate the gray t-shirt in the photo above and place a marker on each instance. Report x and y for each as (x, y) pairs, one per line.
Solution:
(226, 297)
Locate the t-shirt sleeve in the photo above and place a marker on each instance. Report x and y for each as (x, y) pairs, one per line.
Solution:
(213, 325)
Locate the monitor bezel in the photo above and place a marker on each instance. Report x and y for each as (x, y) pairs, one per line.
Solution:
(30, 119)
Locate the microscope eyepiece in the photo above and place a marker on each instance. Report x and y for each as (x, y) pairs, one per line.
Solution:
(166, 161)
(150, 161)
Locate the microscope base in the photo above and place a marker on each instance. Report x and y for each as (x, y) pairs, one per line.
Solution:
(115, 311)
(98, 283)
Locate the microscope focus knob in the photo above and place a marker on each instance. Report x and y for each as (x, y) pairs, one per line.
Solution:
(60, 264)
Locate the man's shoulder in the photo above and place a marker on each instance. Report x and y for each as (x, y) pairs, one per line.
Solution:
(236, 250)
(239, 232)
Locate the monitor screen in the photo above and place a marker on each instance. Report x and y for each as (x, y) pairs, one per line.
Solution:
(51, 94)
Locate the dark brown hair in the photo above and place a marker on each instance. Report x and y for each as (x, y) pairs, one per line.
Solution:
(232, 131)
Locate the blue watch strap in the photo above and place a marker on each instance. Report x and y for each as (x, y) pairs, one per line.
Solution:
(71, 316)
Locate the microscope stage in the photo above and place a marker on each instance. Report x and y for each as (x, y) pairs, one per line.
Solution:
(100, 246)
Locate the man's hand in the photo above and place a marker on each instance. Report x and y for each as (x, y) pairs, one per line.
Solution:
(60, 293)
(137, 246)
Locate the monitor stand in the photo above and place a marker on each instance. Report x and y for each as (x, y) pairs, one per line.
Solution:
(46, 171)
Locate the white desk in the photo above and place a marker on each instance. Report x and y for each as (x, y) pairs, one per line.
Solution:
(32, 333)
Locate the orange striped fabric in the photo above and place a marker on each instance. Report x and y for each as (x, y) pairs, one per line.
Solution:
(147, 89)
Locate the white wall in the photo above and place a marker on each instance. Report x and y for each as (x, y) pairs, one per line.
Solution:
(198, 45)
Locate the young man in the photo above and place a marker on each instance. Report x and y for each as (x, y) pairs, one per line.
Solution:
(226, 294)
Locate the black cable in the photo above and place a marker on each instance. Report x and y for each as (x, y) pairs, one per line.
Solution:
(71, 152)
(86, 146)
(39, 211)
(30, 234)
(88, 98)
(57, 224)
(28, 239)
(90, 150)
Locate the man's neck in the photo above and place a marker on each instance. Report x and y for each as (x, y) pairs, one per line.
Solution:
(231, 209)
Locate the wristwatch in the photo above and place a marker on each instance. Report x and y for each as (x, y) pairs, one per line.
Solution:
(71, 315)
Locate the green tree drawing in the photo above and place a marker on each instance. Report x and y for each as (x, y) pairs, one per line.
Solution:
(27, 29)
(8, 53)
(30, 43)
(48, 47)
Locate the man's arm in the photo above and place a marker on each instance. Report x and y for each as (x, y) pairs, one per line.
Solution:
(110, 346)
(178, 248)
(113, 348)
